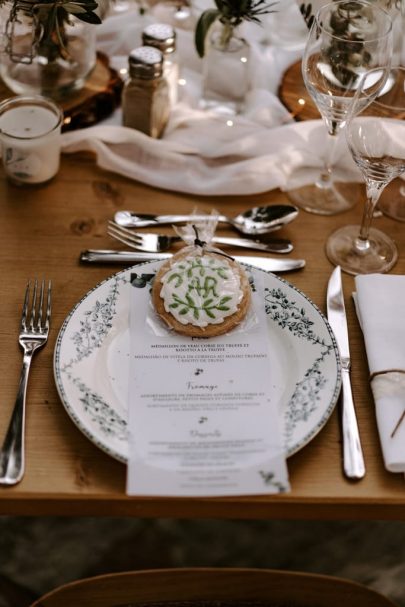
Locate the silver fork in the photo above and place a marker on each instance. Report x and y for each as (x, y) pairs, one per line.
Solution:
(33, 335)
(156, 243)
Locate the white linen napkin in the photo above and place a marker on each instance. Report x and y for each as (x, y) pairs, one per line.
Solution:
(380, 301)
(202, 153)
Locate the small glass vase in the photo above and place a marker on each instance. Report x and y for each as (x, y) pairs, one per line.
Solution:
(226, 71)
(36, 60)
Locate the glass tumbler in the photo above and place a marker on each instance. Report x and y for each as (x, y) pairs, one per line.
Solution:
(30, 136)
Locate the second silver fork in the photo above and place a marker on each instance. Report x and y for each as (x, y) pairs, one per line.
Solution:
(33, 335)
(156, 243)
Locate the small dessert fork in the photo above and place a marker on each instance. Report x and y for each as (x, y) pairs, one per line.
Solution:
(156, 243)
(33, 335)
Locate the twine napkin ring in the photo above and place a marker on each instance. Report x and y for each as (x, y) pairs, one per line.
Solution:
(385, 372)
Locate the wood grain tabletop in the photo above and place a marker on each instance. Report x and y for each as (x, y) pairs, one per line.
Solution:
(43, 231)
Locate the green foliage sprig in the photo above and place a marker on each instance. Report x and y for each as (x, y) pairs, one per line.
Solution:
(82, 9)
(49, 18)
(232, 13)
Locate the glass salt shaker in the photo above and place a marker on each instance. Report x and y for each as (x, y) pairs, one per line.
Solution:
(145, 96)
(163, 37)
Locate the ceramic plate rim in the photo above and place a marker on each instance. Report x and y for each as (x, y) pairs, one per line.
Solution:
(309, 436)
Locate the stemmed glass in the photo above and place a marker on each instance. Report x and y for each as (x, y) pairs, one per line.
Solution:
(392, 200)
(346, 39)
(375, 132)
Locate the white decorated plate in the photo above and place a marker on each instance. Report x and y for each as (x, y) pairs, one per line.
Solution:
(91, 360)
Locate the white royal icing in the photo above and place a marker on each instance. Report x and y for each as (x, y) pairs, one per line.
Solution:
(201, 290)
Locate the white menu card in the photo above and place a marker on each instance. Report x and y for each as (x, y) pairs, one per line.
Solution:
(201, 422)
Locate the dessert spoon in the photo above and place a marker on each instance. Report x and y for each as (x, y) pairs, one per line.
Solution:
(253, 222)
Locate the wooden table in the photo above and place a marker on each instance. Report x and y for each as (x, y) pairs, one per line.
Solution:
(43, 231)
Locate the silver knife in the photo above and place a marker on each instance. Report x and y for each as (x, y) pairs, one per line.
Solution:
(353, 460)
(269, 264)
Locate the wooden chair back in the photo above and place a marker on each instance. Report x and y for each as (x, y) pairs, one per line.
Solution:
(207, 587)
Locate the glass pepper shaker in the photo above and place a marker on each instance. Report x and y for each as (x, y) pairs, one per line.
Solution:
(163, 37)
(145, 96)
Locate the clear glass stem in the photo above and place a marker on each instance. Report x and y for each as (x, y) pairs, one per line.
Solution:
(325, 178)
(374, 189)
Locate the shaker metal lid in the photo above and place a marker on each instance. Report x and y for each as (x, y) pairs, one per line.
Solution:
(146, 62)
(161, 36)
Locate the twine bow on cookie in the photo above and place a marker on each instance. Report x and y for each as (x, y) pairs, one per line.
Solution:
(203, 245)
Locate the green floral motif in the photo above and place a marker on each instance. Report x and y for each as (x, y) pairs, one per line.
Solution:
(96, 323)
(108, 420)
(306, 397)
(251, 280)
(198, 280)
(195, 266)
(289, 316)
(269, 478)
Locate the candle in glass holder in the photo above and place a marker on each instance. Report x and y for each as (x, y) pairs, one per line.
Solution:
(30, 134)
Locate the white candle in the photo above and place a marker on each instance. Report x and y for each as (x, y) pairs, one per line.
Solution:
(30, 136)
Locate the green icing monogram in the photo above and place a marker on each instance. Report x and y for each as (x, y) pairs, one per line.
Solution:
(199, 279)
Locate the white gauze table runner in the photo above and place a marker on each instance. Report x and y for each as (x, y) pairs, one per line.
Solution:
(202, 153)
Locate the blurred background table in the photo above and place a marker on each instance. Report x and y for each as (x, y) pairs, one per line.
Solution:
(43, 231)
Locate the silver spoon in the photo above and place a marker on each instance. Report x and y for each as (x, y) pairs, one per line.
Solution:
(253, 222)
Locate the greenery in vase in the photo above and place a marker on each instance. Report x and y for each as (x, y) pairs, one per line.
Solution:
(230, 13)
(49, 18)
(308, 12)
(347, 52)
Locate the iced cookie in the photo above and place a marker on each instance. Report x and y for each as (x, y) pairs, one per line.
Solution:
(201, 295)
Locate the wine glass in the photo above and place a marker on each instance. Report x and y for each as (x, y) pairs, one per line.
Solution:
(392, 199)
(346, 39)
(375, 133)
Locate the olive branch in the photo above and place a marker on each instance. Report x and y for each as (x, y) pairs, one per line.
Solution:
(207, 305)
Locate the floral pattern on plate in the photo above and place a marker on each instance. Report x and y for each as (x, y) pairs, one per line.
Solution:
(91, 360)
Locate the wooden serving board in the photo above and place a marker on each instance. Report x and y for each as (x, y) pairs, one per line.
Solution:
(96, 101)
